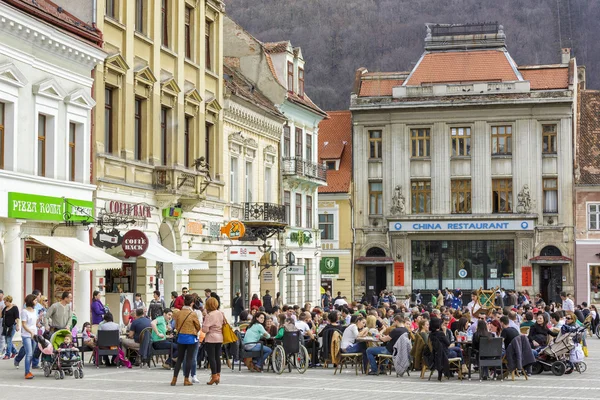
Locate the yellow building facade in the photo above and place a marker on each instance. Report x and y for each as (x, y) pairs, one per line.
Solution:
(157, 146)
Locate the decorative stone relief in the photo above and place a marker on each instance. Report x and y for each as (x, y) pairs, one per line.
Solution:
(524, 205)
(398, 202)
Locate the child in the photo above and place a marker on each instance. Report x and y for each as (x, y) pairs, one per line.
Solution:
(88, 337)
(68, 349)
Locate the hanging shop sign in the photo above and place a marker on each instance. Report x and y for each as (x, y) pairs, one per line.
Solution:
(47, 208)
(302, 237)
(462, 225)
(243, 253)
(108, 239)
(295, 270)
(234, 230)
(172, 212)
(330, 267)
(135, 243)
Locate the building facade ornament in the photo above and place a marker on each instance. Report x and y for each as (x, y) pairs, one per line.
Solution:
(398, 202)
(524, 200)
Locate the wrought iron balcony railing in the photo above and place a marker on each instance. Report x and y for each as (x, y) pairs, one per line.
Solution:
(267, 212)
(301, 167)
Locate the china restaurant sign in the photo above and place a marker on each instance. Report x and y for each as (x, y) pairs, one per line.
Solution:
(457, 225)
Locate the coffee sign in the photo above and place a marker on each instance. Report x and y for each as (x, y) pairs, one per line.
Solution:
(135, 243)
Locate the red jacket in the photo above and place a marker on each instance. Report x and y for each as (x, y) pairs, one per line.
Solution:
(256, 303)
(179, 302)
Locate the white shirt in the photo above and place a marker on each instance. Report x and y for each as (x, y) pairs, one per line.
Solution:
(349, 337)
(302, 327)
(473, 308)
(28, 319)
(340, 302)
(513, 324)
(568, 305)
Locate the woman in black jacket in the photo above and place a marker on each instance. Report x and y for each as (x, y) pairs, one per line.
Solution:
(538, 333)
(439, 345)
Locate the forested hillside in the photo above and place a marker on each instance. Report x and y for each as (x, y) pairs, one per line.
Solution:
(339, 36)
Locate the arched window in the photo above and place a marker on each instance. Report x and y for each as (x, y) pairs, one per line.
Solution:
(375, 252)
(550, 251)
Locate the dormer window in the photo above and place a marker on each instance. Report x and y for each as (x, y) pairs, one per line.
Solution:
(300, 82)
(331, 165)
(290, 76)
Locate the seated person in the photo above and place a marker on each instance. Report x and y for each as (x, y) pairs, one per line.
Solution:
(141, 322)
(354, 330)
(308, 335)
(161, 340)
(88, 338)
(67, 349)
(398, 329)
(453, 350)
(255, 332)
(538, 334)
(288, 325)
(108, 324)
(528, 320)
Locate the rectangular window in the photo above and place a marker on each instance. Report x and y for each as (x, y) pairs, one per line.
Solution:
(2, 138)
(72, 148)
(233, 187)
(164, 124)
(309, 145)
(207, 46)
(249, 187)
(287, 205)
(187, 149)
(290, 76)
(461, 196)
(267, 185)
(188, 33)
(165, 22)
(207, 143)
(550, 195)
(502, 195)
(375, 198)
(594, 217)
(41, 145)
(330, 165)
(137, 146)
(286, 141)
(374, 144)
(502, 140)
(298, 209)
(326, 226)
(420, 193)
(549, 139)
(461, 141)
(108, 121)
(299, 143)
(300, 82)
(420, 142)
(111, 9)
(139, 16)
(309, 213)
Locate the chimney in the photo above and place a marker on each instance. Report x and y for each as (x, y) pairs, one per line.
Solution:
(565, 55)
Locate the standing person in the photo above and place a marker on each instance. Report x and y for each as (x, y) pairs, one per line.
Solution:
(209, 293)
(187, 327)
(138, 302)
(98, 310)
(60, 315)
(156, 307)
(173, 298)
(238, 307)
(2, 340)
(278, 301)
(29, 320)
(213, 341)
(326, 301)
(10, 325)
(567, 303)
(255, 303)
(267, 303)
(179, 301)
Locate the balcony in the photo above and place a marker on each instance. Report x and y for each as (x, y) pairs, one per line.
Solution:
(461, 89)
(179, 185)
(305, 170)
(263, 220)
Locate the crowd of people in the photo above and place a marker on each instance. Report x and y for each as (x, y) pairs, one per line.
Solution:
(190, 327)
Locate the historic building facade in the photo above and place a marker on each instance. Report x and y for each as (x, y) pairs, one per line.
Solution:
(335, 206)
(463, 169)
(46, 64)
(158, 143)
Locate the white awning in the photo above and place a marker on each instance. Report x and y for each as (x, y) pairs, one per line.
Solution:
(88, 258)
(157, 252)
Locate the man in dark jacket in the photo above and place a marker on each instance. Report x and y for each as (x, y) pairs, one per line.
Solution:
(237, 307)
(267, 304)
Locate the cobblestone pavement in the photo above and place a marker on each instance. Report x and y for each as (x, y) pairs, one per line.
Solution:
(151, 384)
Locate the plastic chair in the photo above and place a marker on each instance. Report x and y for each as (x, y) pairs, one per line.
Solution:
(490, 355)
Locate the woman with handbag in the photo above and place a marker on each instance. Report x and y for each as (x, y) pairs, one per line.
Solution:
(187, 327)
(213, 327)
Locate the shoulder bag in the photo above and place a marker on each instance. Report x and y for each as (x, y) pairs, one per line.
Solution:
(176, 335)
(228, 333)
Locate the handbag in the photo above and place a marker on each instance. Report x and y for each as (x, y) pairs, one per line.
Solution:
(176, 334)
(228, 333)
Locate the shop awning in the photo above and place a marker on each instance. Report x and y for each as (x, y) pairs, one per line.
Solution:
(550, 260)
(157, 252)
(88, 258)
(374, 261)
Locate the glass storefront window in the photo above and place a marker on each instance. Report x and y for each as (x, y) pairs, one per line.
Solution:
(464, 264)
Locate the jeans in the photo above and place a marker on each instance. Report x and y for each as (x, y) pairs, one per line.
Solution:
(36, 356)
(454, 352)
(266, 351)
(195, 360)
(28, 346)
(213, 353)
(236, 318)
(186, 350)
(358, 348)
(372, 353)
(166, 345)
(10, 347)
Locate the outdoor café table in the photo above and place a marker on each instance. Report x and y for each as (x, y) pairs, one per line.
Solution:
(370, 341)
(466, 345)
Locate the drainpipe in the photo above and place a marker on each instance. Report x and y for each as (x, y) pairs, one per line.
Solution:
(94, 11)
(352, 249)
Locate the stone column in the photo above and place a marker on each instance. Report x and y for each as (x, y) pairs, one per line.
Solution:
(82, 288)
(13, 263)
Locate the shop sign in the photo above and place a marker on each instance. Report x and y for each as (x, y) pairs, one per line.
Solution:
(135, 243)
(462, 273)
(172, 213)
(243, 253)
(108, 239)
(267, 276)
(461, 225)
(302, 237)
(526, 276)
(141, 211)
(234, 230)
(47, 208)
(399, 274)
(295, 270)
(330, 267)
(193, 227)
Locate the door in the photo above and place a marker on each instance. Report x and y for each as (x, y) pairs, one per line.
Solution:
(240, 281)
(376, 280)
(551, 282)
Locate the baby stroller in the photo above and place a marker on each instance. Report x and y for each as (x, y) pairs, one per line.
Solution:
(53, 359)
(556, 356)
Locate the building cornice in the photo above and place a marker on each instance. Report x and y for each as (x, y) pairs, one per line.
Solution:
(254, 122)
(45, 37)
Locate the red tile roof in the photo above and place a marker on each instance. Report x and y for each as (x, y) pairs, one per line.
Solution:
(57, 16)
(306, 102)
(378, 87)
(588, 137)
(546, 78)
(462, 66)
(239, 85)
(335, 131)
(276, 47)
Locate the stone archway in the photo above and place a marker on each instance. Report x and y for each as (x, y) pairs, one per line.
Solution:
(375, 252)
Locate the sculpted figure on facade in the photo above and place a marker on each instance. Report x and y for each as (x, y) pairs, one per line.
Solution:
(398, 202)
(524, 200)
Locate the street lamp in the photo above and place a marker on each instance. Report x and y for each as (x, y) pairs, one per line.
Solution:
(272, 262)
